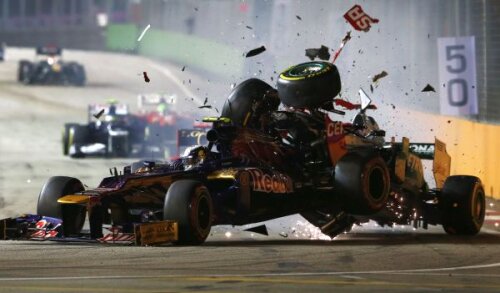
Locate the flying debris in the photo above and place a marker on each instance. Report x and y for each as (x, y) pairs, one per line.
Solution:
(255, 51)
(346, 38)
(371, 88)
(298, 17)
(98, 115)
(183, 68)
(359, 19)
(283, 234)
(205, 102)
(321, 53)
(143, 33)
(262, 229)
(146, 77)
(205, 107)
(249, 27)
(379, 76)
(428, 88)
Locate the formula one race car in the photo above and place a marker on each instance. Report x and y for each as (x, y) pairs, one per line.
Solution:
(111, 131)
(163, 122)
(262, 163)
(50, 69)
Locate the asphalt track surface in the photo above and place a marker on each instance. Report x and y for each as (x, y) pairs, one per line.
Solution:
(294, 257)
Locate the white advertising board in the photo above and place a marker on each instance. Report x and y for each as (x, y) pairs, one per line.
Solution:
(457, 75)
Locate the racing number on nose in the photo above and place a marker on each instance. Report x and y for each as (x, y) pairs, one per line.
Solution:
(454, 53)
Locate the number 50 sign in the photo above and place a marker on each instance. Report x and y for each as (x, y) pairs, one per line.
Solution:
(457, 73)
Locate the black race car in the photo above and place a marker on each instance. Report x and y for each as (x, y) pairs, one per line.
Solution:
(262, 163)
(111, 131)
(50, 69)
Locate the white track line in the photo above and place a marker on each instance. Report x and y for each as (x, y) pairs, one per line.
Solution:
(302, 274)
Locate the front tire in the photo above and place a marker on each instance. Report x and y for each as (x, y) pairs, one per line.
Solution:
(189, 203)
(464, 205)
(73, 216)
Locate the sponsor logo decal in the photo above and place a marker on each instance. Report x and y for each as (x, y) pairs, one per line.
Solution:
(334, 131)
(275, 182)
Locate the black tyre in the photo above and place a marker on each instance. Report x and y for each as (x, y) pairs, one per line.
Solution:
(79, 77)
(78, 135)
(24, 71)
(309, 85)
(362, 182)
(464, 205)
(189, 203)
(73, 216)
(66, 143)
(240, 106)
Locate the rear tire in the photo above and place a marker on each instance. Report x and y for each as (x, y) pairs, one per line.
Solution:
(189, 203)
(73, 216)
(362, 182)
(464, 205)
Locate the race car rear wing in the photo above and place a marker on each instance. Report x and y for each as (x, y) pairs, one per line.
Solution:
(49, 50)
(431, 151)
(144, 100)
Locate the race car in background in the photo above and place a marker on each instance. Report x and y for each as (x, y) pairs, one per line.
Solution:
(49, 68)
(110, 131)
(163, 121)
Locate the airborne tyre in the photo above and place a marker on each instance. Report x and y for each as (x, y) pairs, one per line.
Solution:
(309, 85)
(464, 205)
(73, 216)
(362, 182)
(239, 105)
(189, 203)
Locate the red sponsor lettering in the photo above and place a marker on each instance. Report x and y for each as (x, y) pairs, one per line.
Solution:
(275, 183)
(359, 19)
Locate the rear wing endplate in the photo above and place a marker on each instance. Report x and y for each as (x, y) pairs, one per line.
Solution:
(427, 151)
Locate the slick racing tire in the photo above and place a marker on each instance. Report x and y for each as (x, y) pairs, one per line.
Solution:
(239, 106)
(463, 205)
(75, 74)
(189, 203)
(66, 143)
(24, 71)
(363, 183)
(78, 135)
(73, 216)
(309, 85)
